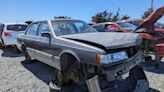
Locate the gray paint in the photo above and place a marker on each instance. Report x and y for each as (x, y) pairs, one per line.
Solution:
(83, 52)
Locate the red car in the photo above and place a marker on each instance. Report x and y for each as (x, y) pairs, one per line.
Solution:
(159, 27)
(114, 27)
(122, 27)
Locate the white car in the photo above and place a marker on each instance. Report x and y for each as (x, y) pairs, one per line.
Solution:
(10, 31)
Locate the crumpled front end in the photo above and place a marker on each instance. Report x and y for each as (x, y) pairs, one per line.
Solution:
(110, 75)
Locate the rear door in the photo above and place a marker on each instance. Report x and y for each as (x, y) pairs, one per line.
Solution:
(30, 39)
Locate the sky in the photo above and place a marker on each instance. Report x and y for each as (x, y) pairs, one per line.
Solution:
(22, 10)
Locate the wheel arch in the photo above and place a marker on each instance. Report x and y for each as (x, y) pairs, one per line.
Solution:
(64, 55)
(71, 53)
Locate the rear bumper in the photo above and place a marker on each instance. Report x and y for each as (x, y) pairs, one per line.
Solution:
(122, 69)
(9, 41)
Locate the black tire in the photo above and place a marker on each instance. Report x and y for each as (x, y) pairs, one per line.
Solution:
(58, 78)
(27, 56)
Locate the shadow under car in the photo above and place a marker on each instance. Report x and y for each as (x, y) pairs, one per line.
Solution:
(11, 52)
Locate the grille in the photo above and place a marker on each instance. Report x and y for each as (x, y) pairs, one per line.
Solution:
(131, 51)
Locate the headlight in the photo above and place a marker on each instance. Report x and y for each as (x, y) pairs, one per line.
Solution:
(111, 58)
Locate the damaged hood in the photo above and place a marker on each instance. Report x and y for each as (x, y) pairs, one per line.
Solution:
(106, 39)
(149, 22)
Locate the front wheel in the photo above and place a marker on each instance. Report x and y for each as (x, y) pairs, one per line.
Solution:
(70, 73)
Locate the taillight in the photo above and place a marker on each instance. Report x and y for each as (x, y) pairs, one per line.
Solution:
(160, 47)
(6, 33)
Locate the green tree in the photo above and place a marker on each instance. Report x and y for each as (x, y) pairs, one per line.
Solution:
(125, 17)
(147, 13)
(106, 16)
(116, 17)
(102, 17)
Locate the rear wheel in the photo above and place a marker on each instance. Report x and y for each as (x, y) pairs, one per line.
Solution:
(27, 56)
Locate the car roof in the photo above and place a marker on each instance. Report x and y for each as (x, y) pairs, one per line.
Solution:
(14, 23)
(130, 20)
(57, 20)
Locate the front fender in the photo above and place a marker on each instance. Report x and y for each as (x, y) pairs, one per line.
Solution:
(70, 52)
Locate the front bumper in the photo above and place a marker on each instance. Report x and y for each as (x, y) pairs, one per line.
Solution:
(121, 69)
(93, 86)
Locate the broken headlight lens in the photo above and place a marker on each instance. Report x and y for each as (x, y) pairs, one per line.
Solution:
(116, 57)
(111, 58)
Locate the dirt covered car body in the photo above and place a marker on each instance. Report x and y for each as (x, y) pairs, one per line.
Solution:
(78, 52)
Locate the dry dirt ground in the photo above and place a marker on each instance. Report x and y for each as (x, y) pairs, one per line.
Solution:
(18, 76)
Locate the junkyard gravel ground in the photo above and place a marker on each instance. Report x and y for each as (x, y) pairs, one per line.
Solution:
(16, 75)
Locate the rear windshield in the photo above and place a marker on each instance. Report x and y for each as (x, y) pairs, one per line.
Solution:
(17, 27)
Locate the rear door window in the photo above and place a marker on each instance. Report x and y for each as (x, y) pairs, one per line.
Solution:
(17, 27)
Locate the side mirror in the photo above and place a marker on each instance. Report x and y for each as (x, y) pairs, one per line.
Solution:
(46, 34)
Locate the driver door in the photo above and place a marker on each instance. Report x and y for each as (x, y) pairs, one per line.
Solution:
(43, 50)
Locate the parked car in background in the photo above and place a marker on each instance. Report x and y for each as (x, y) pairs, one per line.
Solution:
(114, 27)
(135, 22)
(9, 33)
(78, 53)
(122, 26)
(148, 24)
(158, 27)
